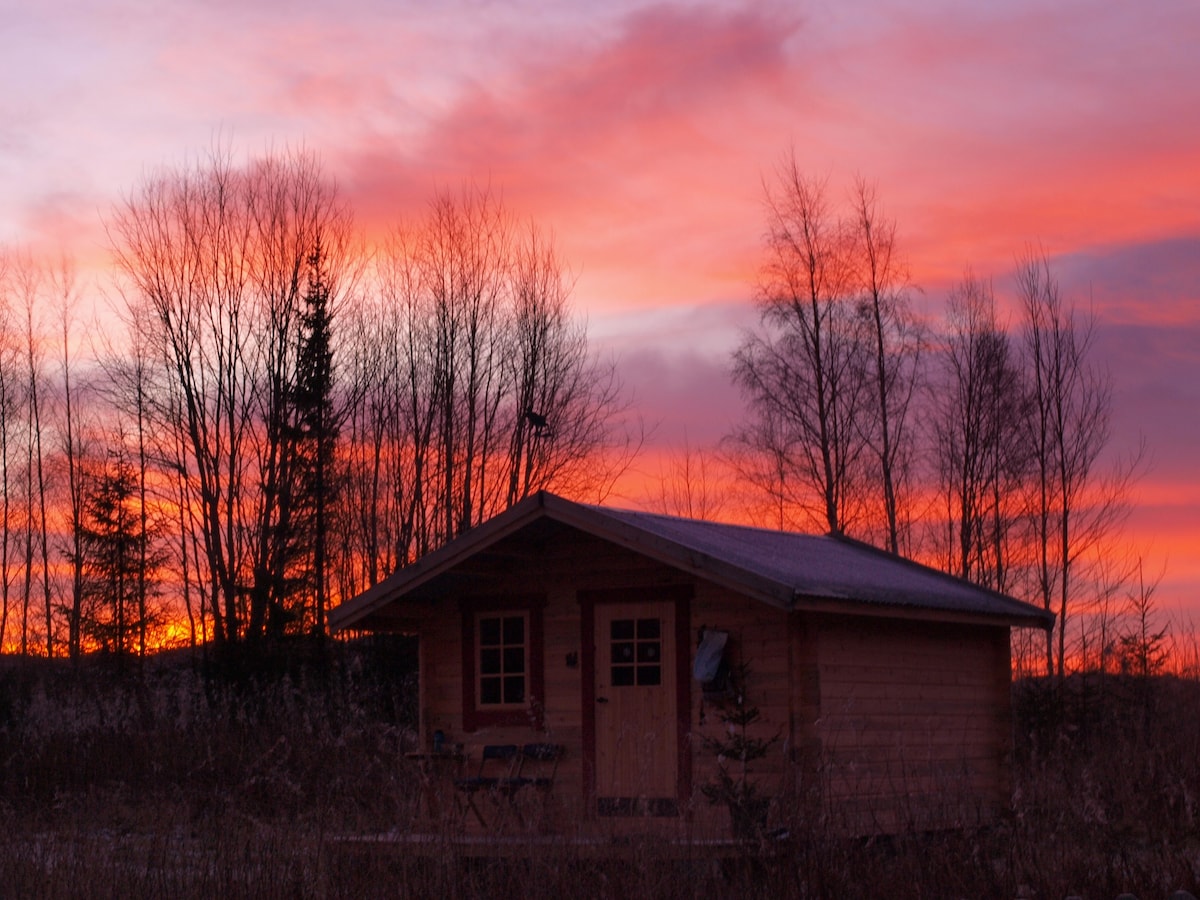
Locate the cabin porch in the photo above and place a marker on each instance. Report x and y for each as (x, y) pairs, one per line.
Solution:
(485, 798)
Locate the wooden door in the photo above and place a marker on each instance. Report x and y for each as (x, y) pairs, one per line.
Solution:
(636, 733)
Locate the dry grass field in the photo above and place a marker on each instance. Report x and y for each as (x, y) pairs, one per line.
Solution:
(171, 783)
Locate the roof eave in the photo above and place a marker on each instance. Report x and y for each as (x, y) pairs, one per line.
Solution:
(436, 562)
(844, 606)
(595, 521)
(1025, 616)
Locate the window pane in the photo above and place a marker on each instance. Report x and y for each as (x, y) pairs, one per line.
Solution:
(514, 630)
(622, 652)
(489, 661)
(622, 630)
(489, 690)
(648, 629)
(514, 689)
(514, 660)
(489, 632)
(649, 675)
(622, 676)
(648, 652)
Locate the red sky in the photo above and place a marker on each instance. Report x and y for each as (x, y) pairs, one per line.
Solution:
(641, 134)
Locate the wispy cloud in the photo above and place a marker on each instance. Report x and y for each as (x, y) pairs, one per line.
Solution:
(640, 132)
(626, 143)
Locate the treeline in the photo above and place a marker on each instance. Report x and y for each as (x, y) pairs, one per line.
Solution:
(979, 443)
(290, 414)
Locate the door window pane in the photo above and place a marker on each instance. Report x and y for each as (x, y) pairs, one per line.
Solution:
(635, 652)
(649, 676)
(622, 676)
(649, 629)
(622, 652)
(622, 630)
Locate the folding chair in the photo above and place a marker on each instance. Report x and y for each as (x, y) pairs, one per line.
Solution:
(497, 766)
(536, 769)
(537, 766)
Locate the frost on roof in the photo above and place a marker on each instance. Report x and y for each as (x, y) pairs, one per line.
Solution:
(823, 567)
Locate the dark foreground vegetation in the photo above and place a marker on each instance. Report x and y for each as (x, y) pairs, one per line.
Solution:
(177, 782)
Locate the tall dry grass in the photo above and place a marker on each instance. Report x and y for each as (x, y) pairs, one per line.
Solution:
(176, 783)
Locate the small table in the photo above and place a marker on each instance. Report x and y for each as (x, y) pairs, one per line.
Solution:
(438, 769)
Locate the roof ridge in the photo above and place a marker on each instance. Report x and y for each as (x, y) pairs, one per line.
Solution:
(743, 526)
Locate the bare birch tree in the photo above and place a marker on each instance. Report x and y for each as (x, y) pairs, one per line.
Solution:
(463, 257)
(693, 483)
(895, 340)
(137, 398)
(1076, 505)
(9, 393)
(390, 351)
(565, 405)
(63, 285)
(472, 384)
(29, 283)
(804, 371)
(977, 415)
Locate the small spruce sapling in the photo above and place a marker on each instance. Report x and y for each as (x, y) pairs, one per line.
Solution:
(736, 749)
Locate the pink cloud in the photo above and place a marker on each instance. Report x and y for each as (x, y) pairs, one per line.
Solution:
(616, 144)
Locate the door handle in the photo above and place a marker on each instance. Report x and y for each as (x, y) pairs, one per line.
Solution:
(601, 699)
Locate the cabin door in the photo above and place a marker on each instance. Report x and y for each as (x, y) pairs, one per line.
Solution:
(636, 720)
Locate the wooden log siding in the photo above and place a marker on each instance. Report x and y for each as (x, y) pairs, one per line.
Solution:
(891, 718)
(573, 564)
(913, 726)
(759, 636)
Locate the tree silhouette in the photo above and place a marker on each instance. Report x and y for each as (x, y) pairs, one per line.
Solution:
(1076, 505)
(977, 414)
(218, 255)
(119, 562)
(318, 427)
(804, 373)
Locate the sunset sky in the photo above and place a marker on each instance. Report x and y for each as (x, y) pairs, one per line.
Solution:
(640, 133)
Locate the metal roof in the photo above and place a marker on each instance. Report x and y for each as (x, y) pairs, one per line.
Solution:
(785, 569)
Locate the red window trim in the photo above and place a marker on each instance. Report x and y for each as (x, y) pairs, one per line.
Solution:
(475, 717)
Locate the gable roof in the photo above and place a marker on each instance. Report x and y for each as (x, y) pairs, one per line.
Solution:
(784, 569)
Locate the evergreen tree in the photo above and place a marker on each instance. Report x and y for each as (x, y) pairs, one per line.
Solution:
(318, 429)
(119, 562)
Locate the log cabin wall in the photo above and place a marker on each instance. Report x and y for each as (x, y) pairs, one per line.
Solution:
(758, 637)
(886, 725)
(558, 572)
(914, 727)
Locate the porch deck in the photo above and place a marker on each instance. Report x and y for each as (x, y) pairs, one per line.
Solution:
(580, 847)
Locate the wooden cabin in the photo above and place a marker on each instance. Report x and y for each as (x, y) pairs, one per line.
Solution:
(883, 686)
